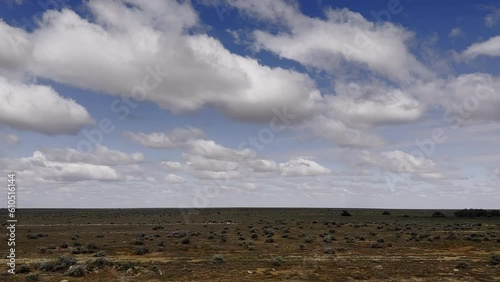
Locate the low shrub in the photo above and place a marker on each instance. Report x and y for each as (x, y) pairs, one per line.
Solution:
(99, 262)
(345, 213)
(33, 277)
(463, 265)
(23, 269)
(329, 251)
(277, 261)
(141, 251)
(218, 259)
(76, 271)
(495, 260)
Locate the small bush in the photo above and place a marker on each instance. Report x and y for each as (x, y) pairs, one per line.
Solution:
(378, 245)
(100, 254)
(277, 261)
(386, 213)
(495, 260)
(80, 250)
(463, 265)
(186, 241)
(64, 262)
(329, 251)
(345, 213)
(438, 214)
(76, 271)
(23, 269)
(141, 251)
(45, 266)
(33, 277)
(92, 246)
(328, 239)
(308, 240)
(139, 242)
(218, 259)
(270, 240)
(99, 262)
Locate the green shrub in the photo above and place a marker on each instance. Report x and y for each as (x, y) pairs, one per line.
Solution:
(345, 213)
(141, 251)
(99, 262)
(463, 265)
(33, 277)
(495, 260)
(329, 251)
(438, 214)
(23, 269)
(76, 271)
(218, 259)
(277, 261)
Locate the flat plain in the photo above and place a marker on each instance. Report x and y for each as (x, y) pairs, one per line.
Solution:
(246, 244)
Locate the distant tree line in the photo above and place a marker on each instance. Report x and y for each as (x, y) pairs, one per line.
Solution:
(477, 213)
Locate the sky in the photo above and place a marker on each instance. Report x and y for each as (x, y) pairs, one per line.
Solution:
(264, 103)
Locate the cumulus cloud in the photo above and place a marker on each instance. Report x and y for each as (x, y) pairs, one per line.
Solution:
(65, 165)
(302, 167)
(466, 99)
(374, 103)
(490, 47)
(328, 44)
(101, 155)
(399, 162)
(40, 109)
(175, 138)
(174, 178)
(206, 159)
(39, 168)
(455, 33)
(341, 134)
(139, 49)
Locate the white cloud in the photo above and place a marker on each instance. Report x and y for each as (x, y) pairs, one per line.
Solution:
(198, 162)
(39, 108)
(9, 138)
(302, 167)
(339, 133)
(175, 138)
(465, 99)
(211, 150)
(139, 49)
(206, 159)
(14, 49)
(371, 104)
(328, 44)
(101, 155)
(174, 178)
(39, 168)
(455, 33)
(490, 47)
(263, 165)
(399, 162)
(492, 19)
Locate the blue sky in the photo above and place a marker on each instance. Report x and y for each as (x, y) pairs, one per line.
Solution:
(251, 103)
